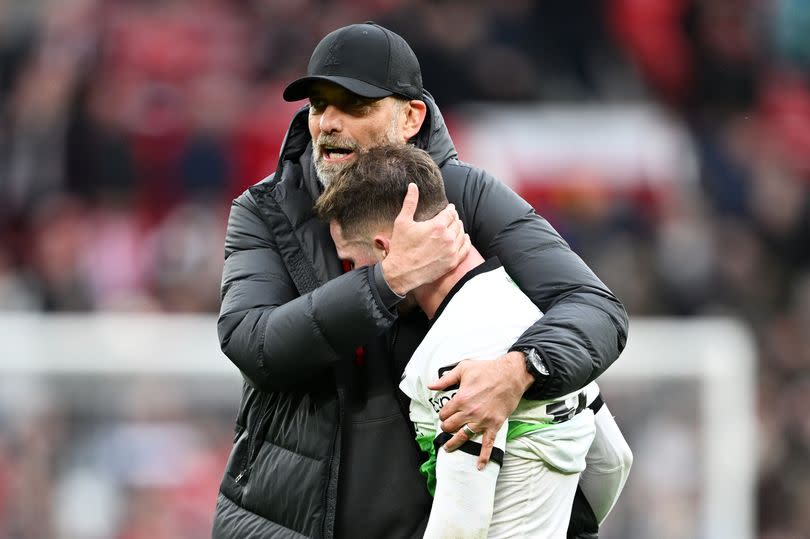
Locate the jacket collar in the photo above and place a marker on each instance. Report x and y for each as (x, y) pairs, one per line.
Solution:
(434, 136)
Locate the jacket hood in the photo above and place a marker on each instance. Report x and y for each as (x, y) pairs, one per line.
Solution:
(433, 137)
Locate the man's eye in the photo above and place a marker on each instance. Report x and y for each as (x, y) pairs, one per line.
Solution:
(317, 104)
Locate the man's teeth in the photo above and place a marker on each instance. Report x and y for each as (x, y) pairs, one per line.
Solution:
(337, 154)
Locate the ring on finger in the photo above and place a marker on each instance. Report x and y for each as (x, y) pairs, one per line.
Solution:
(468, 431)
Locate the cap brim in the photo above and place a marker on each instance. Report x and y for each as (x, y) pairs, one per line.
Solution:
(300, 89)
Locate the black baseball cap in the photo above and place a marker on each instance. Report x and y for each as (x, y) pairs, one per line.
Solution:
(366, 59)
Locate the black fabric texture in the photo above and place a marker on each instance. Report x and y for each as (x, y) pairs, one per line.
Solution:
(597, 404)
(583, 524)
(388, 297)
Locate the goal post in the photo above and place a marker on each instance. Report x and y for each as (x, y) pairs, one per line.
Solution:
(718, 355)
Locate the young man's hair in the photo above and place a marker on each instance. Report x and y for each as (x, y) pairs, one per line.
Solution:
(369, 192)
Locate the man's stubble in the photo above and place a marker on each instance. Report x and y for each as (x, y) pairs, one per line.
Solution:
(328, 171)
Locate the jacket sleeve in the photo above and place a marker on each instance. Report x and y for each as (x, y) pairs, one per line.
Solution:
(275, 337)
(584, 327)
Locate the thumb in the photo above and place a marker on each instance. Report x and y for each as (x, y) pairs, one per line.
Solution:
(409, 204)
(448, 379)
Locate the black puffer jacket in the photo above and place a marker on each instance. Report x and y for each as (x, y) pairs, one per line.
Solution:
(290, 321)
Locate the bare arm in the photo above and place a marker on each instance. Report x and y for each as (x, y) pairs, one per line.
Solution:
(279, 338)
(275, 336)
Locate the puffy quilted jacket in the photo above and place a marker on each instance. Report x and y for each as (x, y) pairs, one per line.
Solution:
(290, 320)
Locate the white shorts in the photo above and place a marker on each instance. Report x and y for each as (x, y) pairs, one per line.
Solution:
(538, 480)
(532, 500)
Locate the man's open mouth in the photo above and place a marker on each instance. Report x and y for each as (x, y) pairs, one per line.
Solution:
(335, 153)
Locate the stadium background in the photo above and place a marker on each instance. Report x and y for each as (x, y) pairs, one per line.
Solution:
(679, 169)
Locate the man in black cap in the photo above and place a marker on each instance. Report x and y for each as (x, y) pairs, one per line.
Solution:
(323, 444)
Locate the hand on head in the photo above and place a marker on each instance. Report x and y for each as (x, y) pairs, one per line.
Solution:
(423, 251)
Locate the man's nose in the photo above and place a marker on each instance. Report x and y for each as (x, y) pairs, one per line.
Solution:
(331, 120)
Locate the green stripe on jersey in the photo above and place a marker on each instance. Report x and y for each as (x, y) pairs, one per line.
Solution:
(425, 442)
(517, 429)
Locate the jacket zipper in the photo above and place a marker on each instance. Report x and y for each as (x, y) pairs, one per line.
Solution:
(240, 430)
(253, 438)
(331, 486)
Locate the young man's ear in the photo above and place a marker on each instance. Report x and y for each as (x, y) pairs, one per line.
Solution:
(382, 245)
(415, 112)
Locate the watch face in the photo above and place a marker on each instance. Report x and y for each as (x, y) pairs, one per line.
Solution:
(537, 361)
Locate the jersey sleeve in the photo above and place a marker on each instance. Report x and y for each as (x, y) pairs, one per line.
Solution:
(465, 496)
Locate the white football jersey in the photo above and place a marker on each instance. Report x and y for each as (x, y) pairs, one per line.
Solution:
(481, 318)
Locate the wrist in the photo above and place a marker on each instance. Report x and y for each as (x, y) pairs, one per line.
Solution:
(395, 279)
(517, 359)
(537, 368)
(386, 294)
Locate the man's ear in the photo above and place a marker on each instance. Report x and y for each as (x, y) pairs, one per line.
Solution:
(382, 245)
(415, 112)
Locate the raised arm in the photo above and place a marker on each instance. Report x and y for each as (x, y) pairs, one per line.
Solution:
(584, 328)
(278, 338)
(275, 337)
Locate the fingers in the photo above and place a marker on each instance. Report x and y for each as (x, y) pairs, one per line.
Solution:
(456, 441)
(409, 204)
(460, 437)
(463, 246)
(450, 378)
(451, 214)
(452, 416)
(487, 443)
(456, 228)
(447, 217)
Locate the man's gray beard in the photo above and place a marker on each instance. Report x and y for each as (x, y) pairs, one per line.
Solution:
(328, 171)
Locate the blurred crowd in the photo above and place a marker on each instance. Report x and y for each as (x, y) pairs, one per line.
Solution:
(112, 457)
(127, 126)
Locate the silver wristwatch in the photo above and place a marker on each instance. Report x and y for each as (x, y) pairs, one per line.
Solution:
(534, 363)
